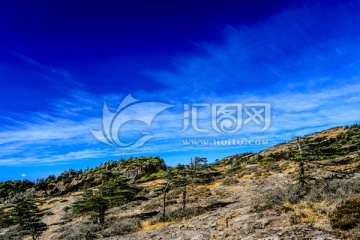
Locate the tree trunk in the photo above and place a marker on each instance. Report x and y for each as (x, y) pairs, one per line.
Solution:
(102, 215)
(302, 172)
(164, 206)
(301, 166)
(184, 199)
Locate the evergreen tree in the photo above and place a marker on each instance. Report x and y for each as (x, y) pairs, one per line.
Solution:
(183, 178)
(301, 152)
(197, 172)
(119, 191)
(166, 188)
(5, 219)
(95, 205)
(203, 173)
(199, 161)
(26, 214)
(114, 192)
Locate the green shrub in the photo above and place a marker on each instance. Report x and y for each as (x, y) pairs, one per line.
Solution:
(153, 176)
(268, 159)
(357, 166)
(5, 219)
(234, 169)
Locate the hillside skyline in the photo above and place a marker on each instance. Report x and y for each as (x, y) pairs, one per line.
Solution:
(61, 62)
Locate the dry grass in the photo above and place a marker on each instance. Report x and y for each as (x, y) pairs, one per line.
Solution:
(247, 176)
(212, 185)
(282, 147)
(329, 133)
(151, 184)
(290, 170)
(146, 225)
(313, 214)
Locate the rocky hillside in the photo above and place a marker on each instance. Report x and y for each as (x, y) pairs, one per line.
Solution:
(245, 196)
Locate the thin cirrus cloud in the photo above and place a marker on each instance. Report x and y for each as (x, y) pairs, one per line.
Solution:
(305, 66)
(35, 143)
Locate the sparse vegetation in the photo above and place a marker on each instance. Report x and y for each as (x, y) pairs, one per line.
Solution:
(230, 181)
(347, 214)
(122, 227)
(331, 191)
(104, 197)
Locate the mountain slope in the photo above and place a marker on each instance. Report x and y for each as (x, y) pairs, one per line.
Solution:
(257, 196)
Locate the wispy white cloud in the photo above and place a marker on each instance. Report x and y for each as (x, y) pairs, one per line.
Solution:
(50, 140)
(311, 80)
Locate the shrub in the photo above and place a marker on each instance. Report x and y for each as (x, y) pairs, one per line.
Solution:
(153, 176)
(357, 166)
(13, 234)
(125, 226)
(172, 195)
(178, 214)
(5, 219)
(79, 232)
(230, 181)
(171, 202)
(355, 232)
(333, 190)
(326, 190)
(153, 205)
(269, 200)
(346, 215)
(234, 169)
(295, 193)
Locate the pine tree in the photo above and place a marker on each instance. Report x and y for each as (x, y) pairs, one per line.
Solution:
(5, 219)
(95, 205)
(26, 214)
(183, 178)
(199, 161)
(167, 185)
(302, 151)
(197, 172)
(119, 191)
(203, 173)
(114, 192)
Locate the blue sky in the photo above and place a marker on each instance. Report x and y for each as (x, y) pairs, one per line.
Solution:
(60, 61)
